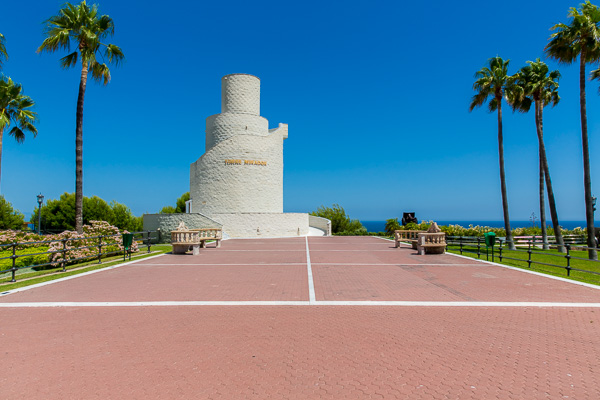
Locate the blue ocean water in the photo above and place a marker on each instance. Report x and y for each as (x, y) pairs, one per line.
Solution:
(379, 226)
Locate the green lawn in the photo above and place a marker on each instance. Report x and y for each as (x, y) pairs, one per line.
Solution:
(541, 256)
(27, 276)
(538, 255)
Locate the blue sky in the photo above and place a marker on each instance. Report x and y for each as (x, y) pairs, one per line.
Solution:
(376, 95)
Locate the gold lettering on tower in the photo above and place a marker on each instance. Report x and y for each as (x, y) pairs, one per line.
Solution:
(245, 162)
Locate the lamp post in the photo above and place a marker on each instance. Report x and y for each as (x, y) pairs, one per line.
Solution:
(40, 198)
(594, 199)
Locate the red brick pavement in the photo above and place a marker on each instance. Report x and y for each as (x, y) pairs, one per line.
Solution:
(302, 352)
(148, 282)
(309, 352)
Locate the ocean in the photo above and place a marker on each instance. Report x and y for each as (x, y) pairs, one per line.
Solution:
(379, 226)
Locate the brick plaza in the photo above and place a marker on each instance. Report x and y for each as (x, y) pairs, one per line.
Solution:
(300, 318)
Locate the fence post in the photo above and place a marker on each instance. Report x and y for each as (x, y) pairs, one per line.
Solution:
(148, 238)
(100, 250)
(500, 249)
(478, 247)
(14, 262)
(64, 254)
(529, 252)
(568, 257)
(460, 241)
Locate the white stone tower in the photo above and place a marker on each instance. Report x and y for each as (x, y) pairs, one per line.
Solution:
(242, 168)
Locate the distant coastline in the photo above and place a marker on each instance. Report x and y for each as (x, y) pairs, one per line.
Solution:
(379, 226)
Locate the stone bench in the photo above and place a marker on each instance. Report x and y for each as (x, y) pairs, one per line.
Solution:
(431, 243)
(406, 236)
(183, 240)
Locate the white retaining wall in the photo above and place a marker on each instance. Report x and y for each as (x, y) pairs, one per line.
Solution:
(168, 222)
(246, 225)
(320, 223)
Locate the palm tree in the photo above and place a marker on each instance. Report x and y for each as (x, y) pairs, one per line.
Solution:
(581, 38)
(15, 109)
(3, 53)
(491, 83)
(535, 84)
(82, 26)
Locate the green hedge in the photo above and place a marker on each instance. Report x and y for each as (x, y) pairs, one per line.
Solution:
(21, 262)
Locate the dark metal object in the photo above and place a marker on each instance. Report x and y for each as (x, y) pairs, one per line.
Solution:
(568, 257)
(40, 199)
(408, 218)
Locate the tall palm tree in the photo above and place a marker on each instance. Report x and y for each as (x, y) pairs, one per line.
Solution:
(581, 38)
(491, 84)
(15, 110)
(82, 26)
(3, 53)
(535, 84)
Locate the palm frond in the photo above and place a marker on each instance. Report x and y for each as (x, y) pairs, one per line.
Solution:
(83, 26)
(69, 60)
(100, 72)
(3, 53)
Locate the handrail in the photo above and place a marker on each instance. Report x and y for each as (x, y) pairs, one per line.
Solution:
(468, 244)
(66, 251)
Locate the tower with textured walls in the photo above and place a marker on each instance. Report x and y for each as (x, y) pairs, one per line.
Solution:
(242, 168)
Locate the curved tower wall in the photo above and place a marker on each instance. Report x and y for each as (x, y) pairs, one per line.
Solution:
(242, 168)
(240, 94)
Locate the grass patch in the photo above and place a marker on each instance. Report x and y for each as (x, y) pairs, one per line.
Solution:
(541, 256)
(519, 259)
(28, 277)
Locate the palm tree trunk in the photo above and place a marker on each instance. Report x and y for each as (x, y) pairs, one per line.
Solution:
(542, 193)
(79, 151)
(560, 244)
(545, 245)
(1, 134)
(587, 179)
(509, 238)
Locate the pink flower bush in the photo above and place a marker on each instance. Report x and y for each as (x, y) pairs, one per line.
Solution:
(75, 246)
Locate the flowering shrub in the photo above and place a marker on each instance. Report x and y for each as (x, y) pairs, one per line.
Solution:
(458, 230)
(74, 243)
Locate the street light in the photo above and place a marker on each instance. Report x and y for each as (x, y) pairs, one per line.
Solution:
(40, 198)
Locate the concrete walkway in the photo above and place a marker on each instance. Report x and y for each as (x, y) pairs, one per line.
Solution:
(317, 317)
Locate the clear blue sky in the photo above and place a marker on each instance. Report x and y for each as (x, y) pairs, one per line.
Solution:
(376, 95)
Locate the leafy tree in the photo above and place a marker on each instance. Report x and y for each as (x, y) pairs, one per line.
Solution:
(391, 225)
(340, 222)
(581, 38)
(535, 84)
(123, 218)
(83, 27)
(179, 205)
(181, 202)
(15, 110)
(491, 84)
(9, 217)
(168, 210)
(3, 53)
(60, 214)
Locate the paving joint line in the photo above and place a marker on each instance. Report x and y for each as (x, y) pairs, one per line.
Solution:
(311, 284)
(558, 278)
(66, 278)
(300, 303)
